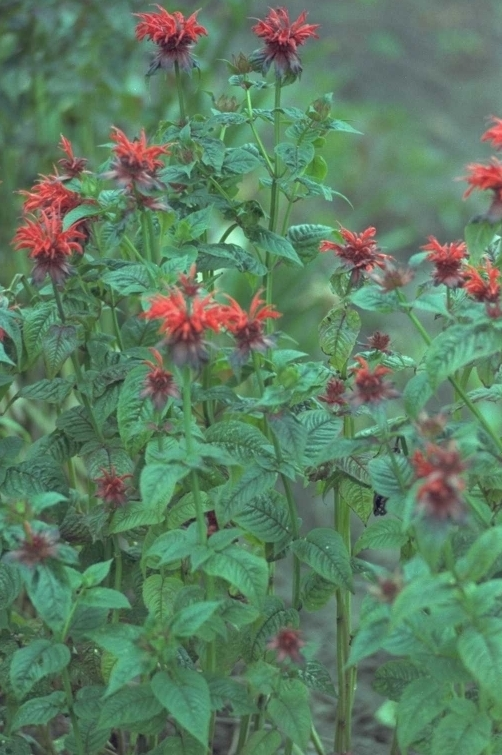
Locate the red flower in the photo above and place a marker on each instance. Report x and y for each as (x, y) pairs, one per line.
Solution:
(288, 643)
(440, 467)
(282, 38)
(174, 34)
(335, 393)
(494, 134)
(247, 329)
(135, 165)
(36, 548)
(111, 487)
(51, 196)
(448, 260)
(159, 383)
(378, 341)
(49, 246)
(485, 289)
(72, 166)
(485, 177)
(370, 387)
(360, 253)
(184, 322)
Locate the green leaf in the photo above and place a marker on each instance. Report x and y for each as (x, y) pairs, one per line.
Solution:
(245, 571)
(464, 731)
(290, 712)
(458, 346)
(324, 550)
(276, 617)
(96, 573)
(32, 477)
(291, 436)
(357, 497)
(316, 591)
(385, 479)
(421, 702)
(53, 391)
(79, 213)
(478, 235)
(322, 430)
(157, 484)
(129, 707)
(51, 595)
(273, 243)
(417, 392)
(481, 653)
(173, 546)
(295, 156)
(93, 739)
(386, 533)
(254, 482)
(185, 509)
(240, 440)
(266, 516)
(393, 677)
(217, 256)
(10, 584)
(186, 697)
(58, 343)
(315, 676)
(421, 593)
(134, 412)
(338, 333)
(374, 299)
(10, 323)
(35, 661)
(159, 593)
(39, 710)
(37, 322)
(241, 160)
(130, 278)
(104, 597)
(188, 621)
(263, 743)
(133, 515)
(193, 225)
(481, 556)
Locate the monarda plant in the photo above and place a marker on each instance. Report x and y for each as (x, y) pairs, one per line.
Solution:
(154, 427)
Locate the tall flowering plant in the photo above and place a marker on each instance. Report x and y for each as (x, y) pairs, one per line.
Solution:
(155, 428)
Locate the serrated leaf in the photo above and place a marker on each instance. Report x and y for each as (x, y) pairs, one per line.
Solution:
(133, 515)
(266, 517)
(291, 436)
(481, 653)
(134, 412)
(51, 595)
(393, 677)
(157, 484)
(188, 621)
(482, 555)
(357, 497)
(36, 323)
(173, 546)
(375, 299)
(53, 391)
(79, 213)
(458, 346)
(35, 661)
(185, 509)
(421, 703)
(245, 571)
(58, 344)
(417, 392)
(39, 710)
(316, 591)
(265, 742)
(131, 278)
(104, 597)
(421, 593)
(216, 256)
(386, 533)
(159, 593)
(241, 160)
(290, 712)
(324, 551)
(322, 431)
(384, 474)
(315, 676)
(254, 482)
(10, 584)
(464, 731)
(186, 697)
(478, 236)
(129, 706)
(295, 156)
(273, 243)
(240, 440)
(338, 333)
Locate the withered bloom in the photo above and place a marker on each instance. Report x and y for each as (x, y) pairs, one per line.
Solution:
(159, 383)
(288, 644)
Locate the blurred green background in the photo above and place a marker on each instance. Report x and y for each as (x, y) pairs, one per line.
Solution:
(417, 77)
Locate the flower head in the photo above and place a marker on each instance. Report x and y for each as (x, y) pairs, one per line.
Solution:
(370, 387)
(49, 246)
(36, 547)
(448, 260)
(360, 252)
(483, 284)
(247, 329)
(335, 393)
(51, 196)
(387, 588)
(136, 164)
(282, 39)
(494, 134)
(174, 34)
(184, 321)
(72, 166)
(392, 276)
(440, 467)
(288, 644)
(159, 383)
(379, 341)
(484, 177)
(112, 488)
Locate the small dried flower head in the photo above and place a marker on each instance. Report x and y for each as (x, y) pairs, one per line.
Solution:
(49, 246)
(438, 499)
(226, 104)
(112, 488)
(448, 259)
(188, 283)
(392, 276)
(159, 383)
(439, 460)
(370, 387)
(248, 329)
(36, 547)
(379, 341)
(212, 523)
(483, 284)
(184, 321)
(360, 252)
(431, 427)
(136, 164)
(288, 643)
(387, 588)
(440, 467)
(335, 393)
(494, 133)
(175, 36)
(72, 166)
(484, 177)
(240, 64)
(282, 39)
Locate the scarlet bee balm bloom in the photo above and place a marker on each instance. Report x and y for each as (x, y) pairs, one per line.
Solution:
(159, 383)
(247, 329)
(174, 34)
(494, 134)
(136, 164)
(448, 260)
(485, 289)
(282, 39)
(360, 252)
(370, 387)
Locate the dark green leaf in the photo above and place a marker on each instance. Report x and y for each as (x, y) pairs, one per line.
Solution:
(254, 482)
(290, 712)
(458, 346)
(245, 571)
(186, 697)
(420, 703)
(39, 710)
(464, 731)
(266, 516)
(386, 533)
(53, 391)
(273, 243)
(35, 661)
(338, 333)
(324, 550)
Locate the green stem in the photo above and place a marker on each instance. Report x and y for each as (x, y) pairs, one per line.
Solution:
(187, 420)
(118, 575)
(243, 733)
(256, 135)
(274, 194)
(116, 328)
(394, 748)
(452, 380)
(145, 231)
(179, 89)
(230, 229)
(316, 741)
(74, 721)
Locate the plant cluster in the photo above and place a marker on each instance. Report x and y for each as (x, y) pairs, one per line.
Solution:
(154, 428)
